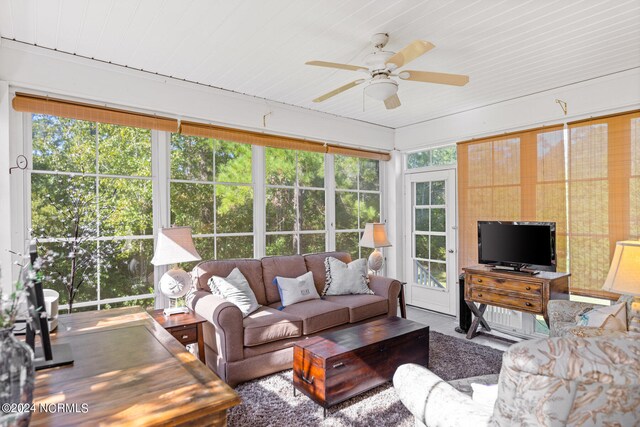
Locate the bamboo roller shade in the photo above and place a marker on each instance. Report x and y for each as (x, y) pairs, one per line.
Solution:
(590, 188)
(95, 113)
(76, 110)
(268, 140)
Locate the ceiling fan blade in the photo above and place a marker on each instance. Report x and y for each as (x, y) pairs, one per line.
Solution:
(338, 90)
(431, 77)
(337, 65)
(409, 53)
(392, 102)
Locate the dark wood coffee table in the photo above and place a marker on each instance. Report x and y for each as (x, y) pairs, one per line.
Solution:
(333, 367)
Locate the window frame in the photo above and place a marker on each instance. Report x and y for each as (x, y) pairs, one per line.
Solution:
(358, 191)
(296, 187)
(27, 123)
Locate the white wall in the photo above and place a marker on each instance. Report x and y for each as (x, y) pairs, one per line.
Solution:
(56, 73)
(5, 189)
(605, 95)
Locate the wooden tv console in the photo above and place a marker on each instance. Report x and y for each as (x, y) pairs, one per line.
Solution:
(507, 289)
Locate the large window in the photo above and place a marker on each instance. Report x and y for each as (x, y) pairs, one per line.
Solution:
(357, 201)
(211, 191)
(103, 172)
(117, 174)
(295, 199)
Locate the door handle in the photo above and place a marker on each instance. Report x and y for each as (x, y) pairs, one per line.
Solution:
(450, 251)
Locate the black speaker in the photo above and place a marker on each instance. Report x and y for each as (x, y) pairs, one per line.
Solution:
(465, 313)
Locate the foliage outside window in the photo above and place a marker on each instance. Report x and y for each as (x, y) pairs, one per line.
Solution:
(357, 201)
(109, 165)
(441, 156)
(211, 191)
(295, 199)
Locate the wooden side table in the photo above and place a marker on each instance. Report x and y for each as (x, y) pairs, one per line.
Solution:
(185, 327)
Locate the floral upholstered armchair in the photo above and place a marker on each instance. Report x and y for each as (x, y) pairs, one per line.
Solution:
(548, 382)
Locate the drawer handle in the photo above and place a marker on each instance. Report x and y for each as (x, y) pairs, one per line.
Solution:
(528, 304)
(307, 380)
(479, 295)
(479, 280)
(528, 288)
(184, 337)
(338, 365)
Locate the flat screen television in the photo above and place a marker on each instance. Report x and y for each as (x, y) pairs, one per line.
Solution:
(517, 245)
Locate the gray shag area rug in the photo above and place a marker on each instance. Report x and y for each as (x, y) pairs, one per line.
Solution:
(269, 401)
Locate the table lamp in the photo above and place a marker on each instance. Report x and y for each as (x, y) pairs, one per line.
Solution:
(175, 245)
(375, 236)
(624, 275)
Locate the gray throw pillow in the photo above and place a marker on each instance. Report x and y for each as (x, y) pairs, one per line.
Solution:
(235, 289)
(293, 290)
(346, 279)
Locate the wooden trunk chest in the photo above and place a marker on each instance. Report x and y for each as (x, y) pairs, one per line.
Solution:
(333, 367)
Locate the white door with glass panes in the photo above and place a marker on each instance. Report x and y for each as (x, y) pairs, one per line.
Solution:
(430, 268)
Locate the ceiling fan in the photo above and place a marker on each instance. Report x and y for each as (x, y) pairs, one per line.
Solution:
(381, 66)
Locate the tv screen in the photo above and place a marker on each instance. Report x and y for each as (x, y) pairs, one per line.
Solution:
(517, 244)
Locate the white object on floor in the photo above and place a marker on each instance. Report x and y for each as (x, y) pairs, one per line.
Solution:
(485, 395)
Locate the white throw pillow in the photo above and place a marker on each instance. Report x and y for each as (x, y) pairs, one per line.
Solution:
(346, 279)
(613, 317)
(235, 289)
(485, 395)
(293, 290)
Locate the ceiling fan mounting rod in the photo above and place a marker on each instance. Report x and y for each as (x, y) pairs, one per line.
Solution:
(380, 40)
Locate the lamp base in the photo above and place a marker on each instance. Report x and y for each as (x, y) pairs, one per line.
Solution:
(376, 260)
(175, 310)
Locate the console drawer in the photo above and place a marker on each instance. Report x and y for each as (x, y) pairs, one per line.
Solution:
(506, 284)
(518, 301)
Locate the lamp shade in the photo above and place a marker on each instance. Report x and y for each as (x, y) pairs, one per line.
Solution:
(374, 236)
(174, 245)
(624, 274)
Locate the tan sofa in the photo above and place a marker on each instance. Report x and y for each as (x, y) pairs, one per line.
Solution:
(240, 349)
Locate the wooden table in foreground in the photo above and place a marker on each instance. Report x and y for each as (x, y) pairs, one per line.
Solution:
(515, 291)
(336, 366)
(128, 370)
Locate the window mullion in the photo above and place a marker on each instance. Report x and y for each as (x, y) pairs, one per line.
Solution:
(98, 222)
(259, 200)
(160, 171)
(330, 202)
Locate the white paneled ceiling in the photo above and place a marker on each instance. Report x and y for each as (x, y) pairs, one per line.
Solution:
(509, 48)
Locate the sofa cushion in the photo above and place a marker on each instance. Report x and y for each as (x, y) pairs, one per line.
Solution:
(251, 269)
(315, 264)
(235, 289)
(268, 324)
(317, 315)
(360, 307)
(284, 266)
(346, 279)
(295, 290)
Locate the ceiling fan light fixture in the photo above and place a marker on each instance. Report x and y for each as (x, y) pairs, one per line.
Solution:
(381, 89)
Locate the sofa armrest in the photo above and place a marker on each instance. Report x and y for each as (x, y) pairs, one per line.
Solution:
(388, 288)
(226, 319)
(429, 398)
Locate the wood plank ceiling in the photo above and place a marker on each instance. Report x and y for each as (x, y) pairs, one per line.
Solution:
(509, 48)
